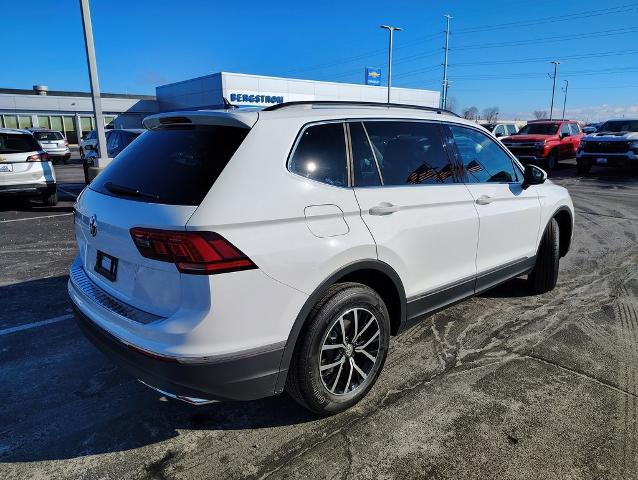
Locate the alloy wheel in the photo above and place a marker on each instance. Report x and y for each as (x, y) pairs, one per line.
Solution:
(349, 351)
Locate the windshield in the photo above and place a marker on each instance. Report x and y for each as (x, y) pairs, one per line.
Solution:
(174, 165)
(616, 126)
(47, 136)
(539, 129)
(18, 143)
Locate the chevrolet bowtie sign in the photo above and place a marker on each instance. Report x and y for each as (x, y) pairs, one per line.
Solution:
(373, 76)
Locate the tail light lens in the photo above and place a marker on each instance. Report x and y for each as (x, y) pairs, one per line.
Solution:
(203, 253)
(66, 142)
(38, 157)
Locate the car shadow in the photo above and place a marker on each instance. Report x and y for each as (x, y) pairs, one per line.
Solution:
(34, 205)
(64, 399)
(515, 288)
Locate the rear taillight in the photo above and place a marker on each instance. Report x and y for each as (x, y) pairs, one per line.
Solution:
(203, 253)
(38, 157)
(66, 142)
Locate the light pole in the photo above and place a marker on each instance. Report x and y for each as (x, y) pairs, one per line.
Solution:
(565, 99)
(391, 30)
(95, 85)
(551, 110)
(446, 82)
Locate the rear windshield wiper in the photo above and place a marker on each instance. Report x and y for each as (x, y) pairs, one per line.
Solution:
(131, 192)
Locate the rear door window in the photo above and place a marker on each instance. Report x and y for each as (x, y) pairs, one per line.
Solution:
(366, 172)
(18, 143)
(174, 165)
(410, 153)
(321, 154)
(483, 159)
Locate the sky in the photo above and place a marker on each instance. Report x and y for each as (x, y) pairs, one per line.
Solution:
(499, 51)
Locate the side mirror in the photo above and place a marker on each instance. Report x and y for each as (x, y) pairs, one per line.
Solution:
(533, 176)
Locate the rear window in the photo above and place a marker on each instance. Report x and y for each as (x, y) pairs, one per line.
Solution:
(539, 129)
(18, 143)
(175, 165)
(47, 136)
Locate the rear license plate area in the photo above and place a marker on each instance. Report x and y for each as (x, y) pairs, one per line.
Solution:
(601, 161)
(6, 168)
(106, 265)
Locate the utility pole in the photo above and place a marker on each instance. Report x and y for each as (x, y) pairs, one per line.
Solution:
(551, 110)
(565, 99)
(391, 30)
(446, 83)
(95, 84)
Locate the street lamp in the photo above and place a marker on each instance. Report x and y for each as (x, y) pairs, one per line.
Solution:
(95, 85)
(390, 29)
(551, 109)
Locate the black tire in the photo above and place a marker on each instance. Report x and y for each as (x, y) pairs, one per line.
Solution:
(50, 200)
(85, 168)
(81, 153)
(66, 161)
(544, 275)
(552, 160)
(305, 383)
(583, 168)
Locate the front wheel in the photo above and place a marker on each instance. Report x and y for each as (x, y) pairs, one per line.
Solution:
(340, 354)
(544, 275)
(551, 160)
(81, 153)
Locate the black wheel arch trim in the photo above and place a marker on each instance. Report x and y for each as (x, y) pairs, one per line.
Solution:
(314, 297)
(563, 208)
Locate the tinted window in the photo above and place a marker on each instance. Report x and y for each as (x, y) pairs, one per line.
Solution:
(511, 129)
(18, 143)
(617, 126)
(539, 129)
(113, 142)
(366, 173)
(565, 130)
(178, 164)
(48, 136)
(575, 128)
(500, 130)
(483, 159)
(321, 154)
(410, 153)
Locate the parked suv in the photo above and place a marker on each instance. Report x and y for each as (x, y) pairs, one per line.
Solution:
(501, 129)
(280, 249)
(54, 144)
(545, 142)
(89, 139)
(614, 144)
(117, 140)
(25, 169)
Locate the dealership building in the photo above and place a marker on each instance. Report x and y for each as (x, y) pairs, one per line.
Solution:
(71, 112)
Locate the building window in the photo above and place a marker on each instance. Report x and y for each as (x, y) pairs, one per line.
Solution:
(43, 121)
(25, 121)
(56, 123)
(11, 121)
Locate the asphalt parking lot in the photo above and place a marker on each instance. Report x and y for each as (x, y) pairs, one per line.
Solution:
(505, 385)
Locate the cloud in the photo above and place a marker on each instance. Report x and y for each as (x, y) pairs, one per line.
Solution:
(154, 78)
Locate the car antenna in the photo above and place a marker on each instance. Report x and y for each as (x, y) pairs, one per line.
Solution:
(228, 105)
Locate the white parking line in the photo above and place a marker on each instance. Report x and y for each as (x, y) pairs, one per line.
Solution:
(31, 325)
(36, 218)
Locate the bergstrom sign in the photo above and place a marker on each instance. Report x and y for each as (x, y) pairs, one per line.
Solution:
(255, 99)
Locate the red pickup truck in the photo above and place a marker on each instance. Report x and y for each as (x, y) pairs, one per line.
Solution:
(545, 141)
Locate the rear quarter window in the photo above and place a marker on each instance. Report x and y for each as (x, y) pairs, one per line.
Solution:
(174, 165)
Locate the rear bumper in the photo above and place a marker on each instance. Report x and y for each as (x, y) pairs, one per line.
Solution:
(246, 375)
(28, 189)
(246, 378)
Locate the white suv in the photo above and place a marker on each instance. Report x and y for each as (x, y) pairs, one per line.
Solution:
(280, 249)
(25, 168)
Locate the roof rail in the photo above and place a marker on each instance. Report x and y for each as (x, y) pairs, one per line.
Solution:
(352, 103)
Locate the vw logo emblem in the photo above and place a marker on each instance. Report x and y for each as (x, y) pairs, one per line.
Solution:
(93, 226)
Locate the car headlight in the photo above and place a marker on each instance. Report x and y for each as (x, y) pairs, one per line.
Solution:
(633, 144)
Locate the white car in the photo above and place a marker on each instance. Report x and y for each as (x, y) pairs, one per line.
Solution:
(53, 143)
(501, 129)
(25, 168)
(280, 249)
(89, 139)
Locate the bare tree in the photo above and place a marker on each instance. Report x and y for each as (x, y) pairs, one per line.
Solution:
(470, 113)
(490, 114)
(538, 114)
(451, 104)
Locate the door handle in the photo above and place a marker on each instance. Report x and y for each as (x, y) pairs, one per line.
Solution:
(484, 200)
(384, 208)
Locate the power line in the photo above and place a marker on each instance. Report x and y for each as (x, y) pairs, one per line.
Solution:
(579, 36)
(551, 19)
(584, 56)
